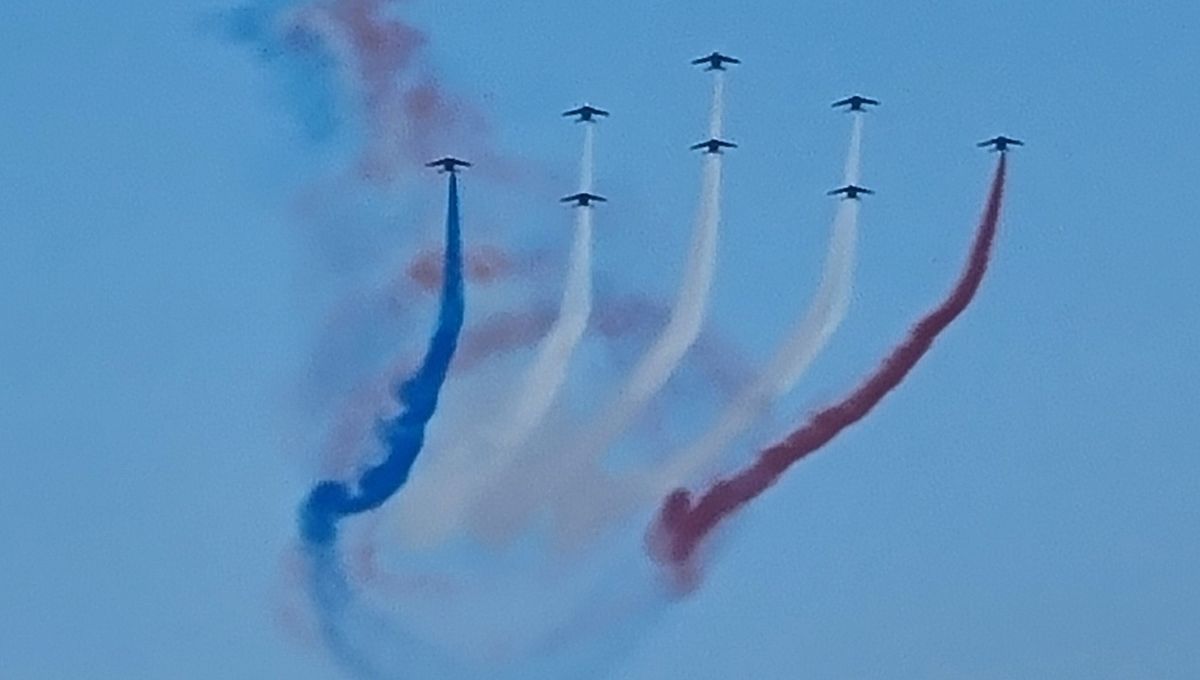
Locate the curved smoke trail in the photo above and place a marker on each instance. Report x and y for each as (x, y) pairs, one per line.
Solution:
(453, 479)
(792, 359)
(574, 472)
(607, 499)
(687, 318)
(683, 521)
(549, 370)
(499, 511)
(403, 436)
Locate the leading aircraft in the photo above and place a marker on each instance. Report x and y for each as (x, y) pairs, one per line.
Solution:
(713, 145)
(850, 191)
(716, 61)
(583, 199)
(856, 102)
(448, 164)
(1000, 143)
(587, 113)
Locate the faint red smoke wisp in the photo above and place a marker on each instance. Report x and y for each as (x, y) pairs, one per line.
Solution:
(410, 116)
(485, 265)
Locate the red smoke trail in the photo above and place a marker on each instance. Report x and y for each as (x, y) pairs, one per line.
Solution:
(683, 524)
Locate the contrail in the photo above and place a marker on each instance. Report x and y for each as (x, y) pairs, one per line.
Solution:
(683, 522)
(792, 359)
(454, 478)
(403, 436)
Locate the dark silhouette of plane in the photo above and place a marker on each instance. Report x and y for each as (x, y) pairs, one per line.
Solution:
(587, 113)
(856, 102)
(713, 145)
(850, 191)
(1001, 143)
(448, 164)
(583, 199)
(716, 61)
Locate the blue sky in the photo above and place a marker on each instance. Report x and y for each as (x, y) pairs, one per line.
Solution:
(1024, 506)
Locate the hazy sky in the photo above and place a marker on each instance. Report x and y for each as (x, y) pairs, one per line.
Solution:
(1024, 506)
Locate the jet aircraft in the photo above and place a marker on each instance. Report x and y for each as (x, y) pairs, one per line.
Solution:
(713, 145)
(856, 103)
(716, 61)
(850, 191)
(583, 199)
(448, 164)
(587, 113)
(1000, 143)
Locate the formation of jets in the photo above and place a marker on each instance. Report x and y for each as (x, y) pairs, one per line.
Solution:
(716, 62)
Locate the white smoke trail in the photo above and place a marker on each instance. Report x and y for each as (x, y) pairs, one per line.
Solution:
(435, 505)
(653, 370)
(793, 357)
(687, 317)
(716, 111)
(549, 370)
(587, 165)
(683, 326)
(854, 157)
(609, 498)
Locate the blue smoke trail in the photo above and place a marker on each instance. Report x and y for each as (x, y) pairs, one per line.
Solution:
(354, 634)
(404, 435)
(298, 54)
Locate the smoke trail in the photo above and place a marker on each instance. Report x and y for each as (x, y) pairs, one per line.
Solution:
(796, 354)
(549, 370)
(498, 506)
(687, 317)
(659, 363)
(357, 62)
(606, 499)
(614, 319)
(308, 70)
(452, 481)
(331, 501)
(404, 435)
(682, 522)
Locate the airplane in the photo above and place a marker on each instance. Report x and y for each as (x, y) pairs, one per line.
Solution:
(583, 199)
(1001, 143)
(850, 191)
(856, 102)
(716, 61)
(448, 164)
(586, 113)
(713, 145)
